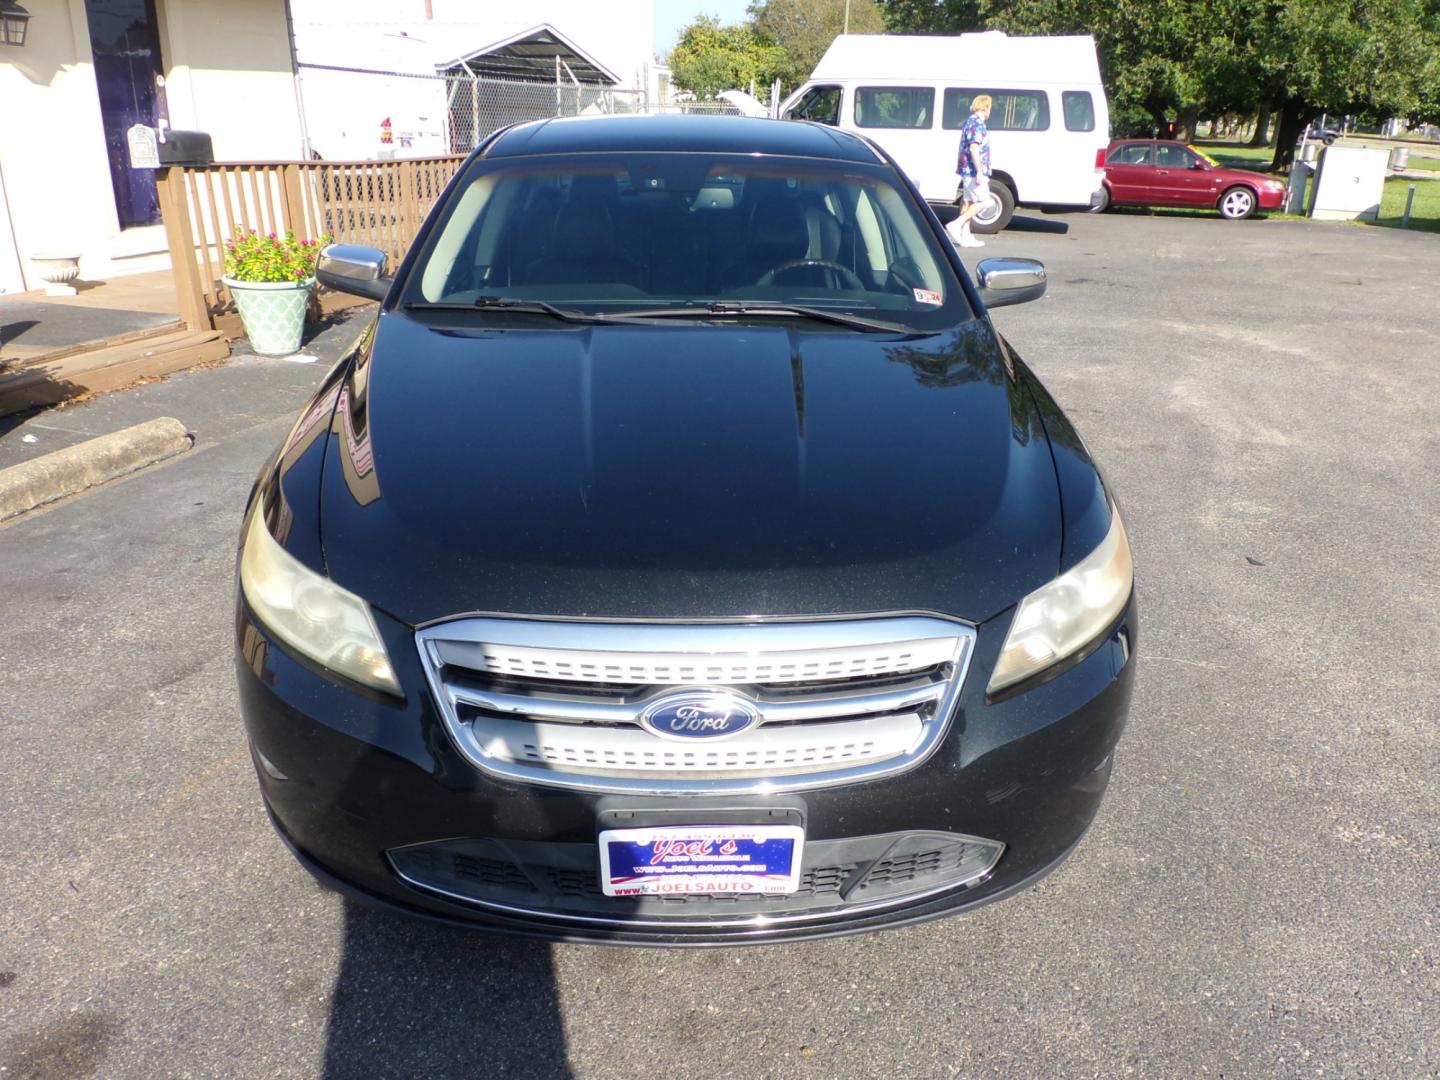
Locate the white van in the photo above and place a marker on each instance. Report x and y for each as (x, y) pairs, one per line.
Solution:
(1049, 126)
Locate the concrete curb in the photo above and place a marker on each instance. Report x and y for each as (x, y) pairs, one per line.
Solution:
(66, 472)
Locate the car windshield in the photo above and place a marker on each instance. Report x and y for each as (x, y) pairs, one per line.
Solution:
(1204, 155)
(654, 234)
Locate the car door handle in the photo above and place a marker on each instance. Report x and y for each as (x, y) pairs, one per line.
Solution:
(1162, 172)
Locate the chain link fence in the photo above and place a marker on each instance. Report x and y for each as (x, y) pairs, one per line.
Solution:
(354, 114)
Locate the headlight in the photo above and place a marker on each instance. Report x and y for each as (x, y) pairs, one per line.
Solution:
(1059, 619)
(310, 613)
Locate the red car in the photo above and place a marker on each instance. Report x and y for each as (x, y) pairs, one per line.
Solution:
(1160, 172)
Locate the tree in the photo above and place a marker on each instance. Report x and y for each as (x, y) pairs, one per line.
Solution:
(1148, 49)
(804, 29)
(710, 58)
(1374, 58)
(1163, 58)
(930, 16)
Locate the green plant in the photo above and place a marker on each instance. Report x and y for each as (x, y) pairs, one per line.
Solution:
(256, 256)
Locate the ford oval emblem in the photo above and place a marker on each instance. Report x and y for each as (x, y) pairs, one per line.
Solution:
(699, 715)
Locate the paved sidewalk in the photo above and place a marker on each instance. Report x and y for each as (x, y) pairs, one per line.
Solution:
(32, 323)
(1258, 897)
(30, 328)
(212, 402)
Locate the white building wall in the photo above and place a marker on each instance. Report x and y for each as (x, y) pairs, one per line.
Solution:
(228, 72)
(12, 277)
(57, 175)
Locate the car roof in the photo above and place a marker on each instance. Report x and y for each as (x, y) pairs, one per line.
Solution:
(694, 134)
(1157, 142)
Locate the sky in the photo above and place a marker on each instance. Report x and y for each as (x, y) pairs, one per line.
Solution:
(672, 16)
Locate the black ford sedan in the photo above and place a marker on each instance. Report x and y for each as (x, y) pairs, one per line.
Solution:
(681, 557)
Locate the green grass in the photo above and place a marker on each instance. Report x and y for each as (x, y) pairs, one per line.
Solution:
(1425, 214)
(1239, 156)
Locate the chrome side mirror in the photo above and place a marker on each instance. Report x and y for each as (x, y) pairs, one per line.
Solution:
(353, 269)
(1010, 281)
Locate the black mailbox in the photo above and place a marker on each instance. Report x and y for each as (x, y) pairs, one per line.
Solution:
(187, 148)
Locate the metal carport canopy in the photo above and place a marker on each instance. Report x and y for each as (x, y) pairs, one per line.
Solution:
(530, 55)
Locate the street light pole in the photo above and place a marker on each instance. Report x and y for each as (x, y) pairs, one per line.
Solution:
(847, 18)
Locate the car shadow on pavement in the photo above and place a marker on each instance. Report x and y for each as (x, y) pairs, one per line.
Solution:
(416, 999)
(1021, 223)
(358, 316)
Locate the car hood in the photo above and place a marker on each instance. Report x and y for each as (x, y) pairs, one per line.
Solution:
(1258, 179)
(686, 471)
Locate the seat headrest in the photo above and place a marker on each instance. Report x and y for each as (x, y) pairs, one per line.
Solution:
(585, 231)
(822, 227)
(778, 226)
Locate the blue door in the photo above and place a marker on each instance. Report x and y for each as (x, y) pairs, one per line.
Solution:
(126, 46)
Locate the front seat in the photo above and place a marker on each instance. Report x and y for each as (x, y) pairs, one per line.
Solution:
(824, 229)
(583, 251)
(777, 234)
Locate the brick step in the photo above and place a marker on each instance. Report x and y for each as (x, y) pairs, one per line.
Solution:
(109, 366)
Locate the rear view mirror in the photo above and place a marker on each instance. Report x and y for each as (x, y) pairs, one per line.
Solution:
(1010, 281)
(353, 269)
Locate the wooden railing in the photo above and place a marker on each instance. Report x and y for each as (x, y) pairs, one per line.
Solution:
(376, 203)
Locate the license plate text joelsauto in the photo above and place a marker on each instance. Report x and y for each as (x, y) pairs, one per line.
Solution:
(692, 859)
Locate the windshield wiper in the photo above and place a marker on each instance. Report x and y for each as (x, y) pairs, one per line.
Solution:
(734, 307)
(505, 303)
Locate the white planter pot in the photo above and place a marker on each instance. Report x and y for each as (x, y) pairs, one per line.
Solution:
(57, 271)
(273, 313)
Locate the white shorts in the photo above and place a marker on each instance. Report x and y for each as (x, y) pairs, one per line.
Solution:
(975, 189)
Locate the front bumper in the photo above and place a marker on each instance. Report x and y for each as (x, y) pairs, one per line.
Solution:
(358, 785)
(1270, 198)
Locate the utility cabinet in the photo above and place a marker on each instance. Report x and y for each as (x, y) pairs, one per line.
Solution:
(1349, 184)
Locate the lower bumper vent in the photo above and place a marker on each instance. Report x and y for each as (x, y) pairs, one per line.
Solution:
(561, 881)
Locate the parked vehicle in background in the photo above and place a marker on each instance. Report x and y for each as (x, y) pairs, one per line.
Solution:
(1317, 133)
(682, 557)
(1048, 127)
(1162, 172)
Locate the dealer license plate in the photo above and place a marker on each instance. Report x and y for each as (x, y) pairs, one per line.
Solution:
(680, 860)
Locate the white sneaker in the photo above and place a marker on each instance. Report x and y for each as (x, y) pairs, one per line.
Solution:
(970, 240)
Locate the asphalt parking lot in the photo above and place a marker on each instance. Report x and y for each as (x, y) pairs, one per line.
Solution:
(1260, 895)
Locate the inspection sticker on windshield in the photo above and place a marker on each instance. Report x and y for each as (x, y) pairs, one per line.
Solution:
(753, 860)
(927, 296)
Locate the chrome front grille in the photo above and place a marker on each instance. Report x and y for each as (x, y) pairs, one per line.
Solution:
(560, 703)
(612, 665)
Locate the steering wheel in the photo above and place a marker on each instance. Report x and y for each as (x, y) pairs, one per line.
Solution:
(847, 276)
